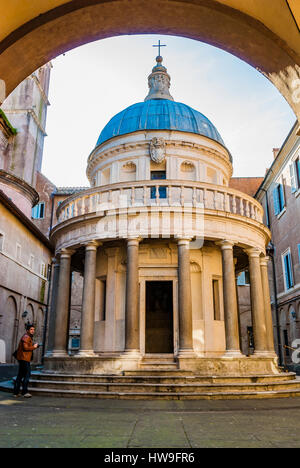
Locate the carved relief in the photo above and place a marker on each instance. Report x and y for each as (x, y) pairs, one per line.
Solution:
(187, 166)
(158, 150)
(129, 167)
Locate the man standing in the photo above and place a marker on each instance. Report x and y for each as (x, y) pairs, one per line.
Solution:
(24, 356)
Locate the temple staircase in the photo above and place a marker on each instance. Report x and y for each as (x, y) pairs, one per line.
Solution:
(161, 384)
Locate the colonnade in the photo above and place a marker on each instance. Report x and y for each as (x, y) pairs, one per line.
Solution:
(260, 301)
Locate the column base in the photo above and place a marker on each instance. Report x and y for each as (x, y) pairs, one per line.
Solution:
(131, 354)
(85, 353)
(59, 354)
(186, 359)
(233, 353)
(265, 354)
(186, 353)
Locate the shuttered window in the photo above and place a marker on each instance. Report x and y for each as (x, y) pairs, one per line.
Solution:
(288, 271)
(278, 199)
(38, 211)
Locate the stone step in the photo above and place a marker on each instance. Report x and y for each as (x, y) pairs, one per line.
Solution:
(246, 394)
(163, 378)
(164, 388)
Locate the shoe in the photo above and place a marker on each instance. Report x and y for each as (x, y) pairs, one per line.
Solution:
(27, 395)
(18, 395)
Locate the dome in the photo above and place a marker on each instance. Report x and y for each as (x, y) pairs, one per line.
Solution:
(159, 114)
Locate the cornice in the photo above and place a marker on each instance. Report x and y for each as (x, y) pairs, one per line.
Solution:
(10, 179)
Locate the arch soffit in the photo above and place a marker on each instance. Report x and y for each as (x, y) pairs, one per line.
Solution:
(71, 24)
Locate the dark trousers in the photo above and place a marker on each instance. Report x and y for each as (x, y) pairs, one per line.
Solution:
(22, 378)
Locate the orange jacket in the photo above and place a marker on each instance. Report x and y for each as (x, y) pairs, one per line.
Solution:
(25, 348)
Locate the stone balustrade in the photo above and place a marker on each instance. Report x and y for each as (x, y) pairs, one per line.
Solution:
(160, 193)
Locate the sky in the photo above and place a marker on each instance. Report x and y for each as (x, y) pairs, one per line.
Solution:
(92, 83)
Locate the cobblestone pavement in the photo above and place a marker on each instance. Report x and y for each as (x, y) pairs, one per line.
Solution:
(86, 423)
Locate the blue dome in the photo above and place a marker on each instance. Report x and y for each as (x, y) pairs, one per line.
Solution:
(159, 114)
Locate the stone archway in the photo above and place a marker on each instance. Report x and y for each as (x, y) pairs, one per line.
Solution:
(8, 328)
(34, 35)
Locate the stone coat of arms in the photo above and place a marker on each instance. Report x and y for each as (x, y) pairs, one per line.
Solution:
(158, 150)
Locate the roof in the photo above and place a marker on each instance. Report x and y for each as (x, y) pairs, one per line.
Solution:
(159, 114)
(69, 190)
(248, 185)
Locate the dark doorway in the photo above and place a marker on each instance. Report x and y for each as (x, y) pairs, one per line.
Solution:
(159, 317)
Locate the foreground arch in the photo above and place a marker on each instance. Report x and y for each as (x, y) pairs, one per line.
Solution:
(264, 34)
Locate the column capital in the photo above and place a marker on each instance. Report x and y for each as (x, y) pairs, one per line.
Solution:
(253, 252)
(225, 244)
(184, 240)
(66, 253)
(92, 245)
(134, 240)
(264, 261)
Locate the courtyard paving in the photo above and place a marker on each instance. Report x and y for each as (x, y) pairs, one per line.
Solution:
(43, 422)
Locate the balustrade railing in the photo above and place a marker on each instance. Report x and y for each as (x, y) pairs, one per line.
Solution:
(160, 194)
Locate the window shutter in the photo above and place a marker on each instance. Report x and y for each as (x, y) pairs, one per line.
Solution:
(293, 177)
(286, 272)
(289, 280)
(276, 201)
(282, 196)
(290, 270)
(34, 213)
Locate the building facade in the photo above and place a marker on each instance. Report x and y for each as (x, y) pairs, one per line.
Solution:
(25, 252)
(159, 240)
(279, 195)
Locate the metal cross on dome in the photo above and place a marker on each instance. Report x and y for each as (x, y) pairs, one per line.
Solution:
(159, 46)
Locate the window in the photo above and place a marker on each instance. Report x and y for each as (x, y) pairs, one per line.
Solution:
(297, 167)
(18, 252)
(288, 270)
(244, 278)
(295, 175)
(158, 175)
(279, 199)
(1, 241)
(38, 211)
(216, 299)
(31, 261)
(43, 270)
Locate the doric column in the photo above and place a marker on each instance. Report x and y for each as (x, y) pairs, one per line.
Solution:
(257, 302)
(62, 304)
(267, 303)
(88, 301)
(132, 325)
(184, 298)
(230, 300)
(53, 302)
